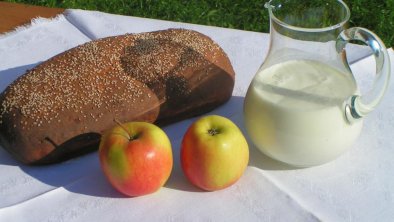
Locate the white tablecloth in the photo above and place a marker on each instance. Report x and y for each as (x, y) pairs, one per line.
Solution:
(358, 186)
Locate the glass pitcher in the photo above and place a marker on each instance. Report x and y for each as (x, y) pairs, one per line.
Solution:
(303, 106)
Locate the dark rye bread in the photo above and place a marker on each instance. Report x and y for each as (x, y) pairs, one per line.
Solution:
(60, 109)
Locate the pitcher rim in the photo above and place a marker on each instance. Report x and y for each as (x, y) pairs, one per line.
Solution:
(296, 28)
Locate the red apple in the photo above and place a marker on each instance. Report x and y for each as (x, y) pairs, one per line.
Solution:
(214, 153)
(136, 158)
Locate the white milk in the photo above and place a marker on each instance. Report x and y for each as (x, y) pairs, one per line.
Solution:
(294, 112)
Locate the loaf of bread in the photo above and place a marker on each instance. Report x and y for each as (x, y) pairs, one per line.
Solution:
(60, 109)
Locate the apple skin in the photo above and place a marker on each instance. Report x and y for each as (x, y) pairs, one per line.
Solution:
(136, 158)
(214, 153)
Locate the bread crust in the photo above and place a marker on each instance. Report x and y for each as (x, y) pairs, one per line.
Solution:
(60, 109)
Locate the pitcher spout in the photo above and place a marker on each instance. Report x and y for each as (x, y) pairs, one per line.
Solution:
(268, 5)
(272, 4)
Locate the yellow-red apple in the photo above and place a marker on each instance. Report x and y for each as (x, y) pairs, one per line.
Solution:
(214, 153)
(136, 158)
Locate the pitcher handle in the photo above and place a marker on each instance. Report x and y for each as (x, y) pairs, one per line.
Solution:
(360, 105)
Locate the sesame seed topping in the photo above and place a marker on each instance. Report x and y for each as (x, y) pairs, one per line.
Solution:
(87, 80)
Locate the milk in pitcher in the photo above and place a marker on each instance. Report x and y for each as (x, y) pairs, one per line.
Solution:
(294, 112)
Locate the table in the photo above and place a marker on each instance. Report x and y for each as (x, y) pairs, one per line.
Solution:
(15, 14)
(358, 186)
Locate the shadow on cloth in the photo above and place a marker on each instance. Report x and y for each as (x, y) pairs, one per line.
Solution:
(83, 174)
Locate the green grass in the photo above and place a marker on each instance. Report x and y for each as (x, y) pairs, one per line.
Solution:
(376, 15)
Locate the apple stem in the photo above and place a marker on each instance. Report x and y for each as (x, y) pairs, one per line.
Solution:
(124, 128)
(213, 131)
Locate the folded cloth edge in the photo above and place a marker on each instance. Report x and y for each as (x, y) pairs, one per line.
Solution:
(33, 22)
